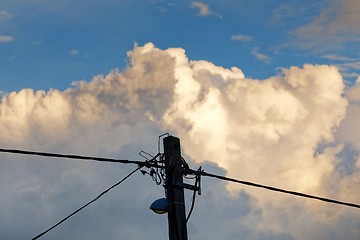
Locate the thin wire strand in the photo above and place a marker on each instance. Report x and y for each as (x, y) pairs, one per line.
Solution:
(278, 189)
(192, 203)
(57, 155)
(197, 189)
(87, 204)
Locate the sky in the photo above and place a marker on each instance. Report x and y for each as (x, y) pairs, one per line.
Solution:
(265, 91)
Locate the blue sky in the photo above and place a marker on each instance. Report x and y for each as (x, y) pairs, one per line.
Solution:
(49, 44)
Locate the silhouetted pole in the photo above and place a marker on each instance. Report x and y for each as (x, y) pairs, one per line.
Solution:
(174, 166)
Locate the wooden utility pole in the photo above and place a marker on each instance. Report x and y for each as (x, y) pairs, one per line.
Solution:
(174, 168)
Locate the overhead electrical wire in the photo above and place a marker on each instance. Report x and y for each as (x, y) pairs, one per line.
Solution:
(87, 204)
(189, 171)
(275, 189)
(58, 155)
(152, 163)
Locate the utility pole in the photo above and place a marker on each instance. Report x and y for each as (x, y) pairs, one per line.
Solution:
(174, 168)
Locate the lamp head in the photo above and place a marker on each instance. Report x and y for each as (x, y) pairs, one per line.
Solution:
(159, 206)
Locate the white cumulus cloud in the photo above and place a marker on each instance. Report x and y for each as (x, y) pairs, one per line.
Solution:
(277, 131)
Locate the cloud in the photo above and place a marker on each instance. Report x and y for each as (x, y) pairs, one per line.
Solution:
(260, 112)
(334, 57)
(335, 26)
(6, 39)
(5, 15)
(2, 93)
(241, 38)
(74, 52)
(347, 66)
(348, 132)
(350, 65)
(88, 102)
(204, 9)
(284, 12)
(260, 56)
(277, 131)
(350, 69)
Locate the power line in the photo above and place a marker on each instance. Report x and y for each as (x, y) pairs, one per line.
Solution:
(154, 164)
(275, 189)
(70, 156)
(87, 204)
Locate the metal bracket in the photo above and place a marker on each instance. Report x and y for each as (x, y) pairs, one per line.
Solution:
(185, 185)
